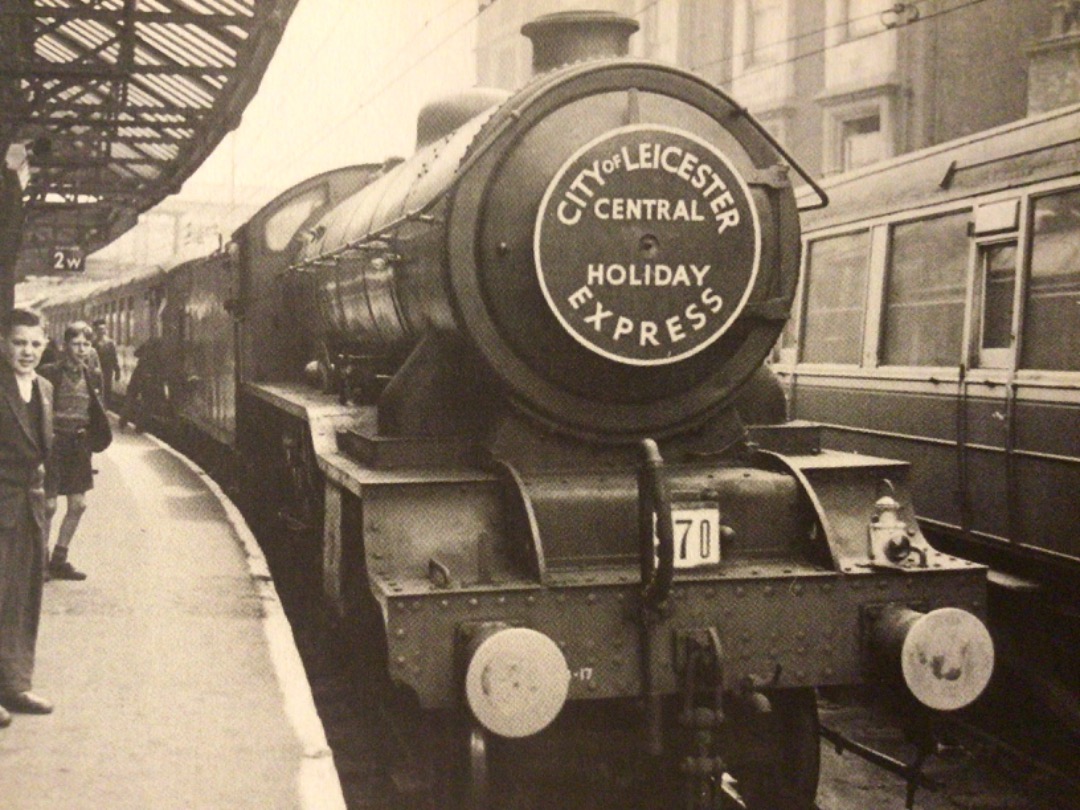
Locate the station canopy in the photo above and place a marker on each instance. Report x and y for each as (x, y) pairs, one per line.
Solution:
(121, 101)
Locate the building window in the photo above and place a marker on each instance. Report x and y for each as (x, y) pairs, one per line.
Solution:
(659, 28)
(861, 142)
(777, 123)
(860, 130)
(836, 274)
(765, 30)
(924, 300)
(1052, 311)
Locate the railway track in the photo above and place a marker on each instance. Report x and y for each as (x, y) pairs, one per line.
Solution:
(979, 765)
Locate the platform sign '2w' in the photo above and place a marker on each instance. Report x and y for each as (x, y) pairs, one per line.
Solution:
(67, 259)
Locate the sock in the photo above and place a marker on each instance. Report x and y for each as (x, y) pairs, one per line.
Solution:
(59, 556)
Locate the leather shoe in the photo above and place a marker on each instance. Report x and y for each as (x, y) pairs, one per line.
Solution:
(5, 717)
(25, 703)
(65, 570)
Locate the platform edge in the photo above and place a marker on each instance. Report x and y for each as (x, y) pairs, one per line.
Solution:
(320, 785)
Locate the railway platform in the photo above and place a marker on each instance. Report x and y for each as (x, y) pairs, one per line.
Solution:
(173, 669)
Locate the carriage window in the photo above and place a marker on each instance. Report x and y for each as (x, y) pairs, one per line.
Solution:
(998, 285)
(924, 301)
(283, 225)
(835, 296)
(1052, 313)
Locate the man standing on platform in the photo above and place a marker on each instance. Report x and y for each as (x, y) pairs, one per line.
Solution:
(110, 362)
(25, 440)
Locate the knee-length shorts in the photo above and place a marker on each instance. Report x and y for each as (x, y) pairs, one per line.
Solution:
(68, 471)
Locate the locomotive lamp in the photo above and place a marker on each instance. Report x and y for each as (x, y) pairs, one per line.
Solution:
(892, 540)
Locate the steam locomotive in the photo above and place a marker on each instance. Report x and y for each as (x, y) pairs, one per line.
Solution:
(555, 501)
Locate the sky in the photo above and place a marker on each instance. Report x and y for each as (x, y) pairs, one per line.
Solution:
(344, 86)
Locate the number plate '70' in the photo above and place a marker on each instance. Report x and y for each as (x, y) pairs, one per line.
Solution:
(697, 534)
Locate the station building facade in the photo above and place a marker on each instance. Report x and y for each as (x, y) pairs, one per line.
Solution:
(840, 83)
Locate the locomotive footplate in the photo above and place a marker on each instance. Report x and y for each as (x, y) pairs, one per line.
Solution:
(593, 619)
(790, 582)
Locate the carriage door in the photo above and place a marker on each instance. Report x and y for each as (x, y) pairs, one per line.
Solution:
(989, 392)
(1048, 405)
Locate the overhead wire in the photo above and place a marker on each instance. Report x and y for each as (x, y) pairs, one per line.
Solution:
(420, 59)
(335, 26)
(729, 58)
(420, 30)
(640, 13)
(299, 74)
(387, 85)
(400, 75)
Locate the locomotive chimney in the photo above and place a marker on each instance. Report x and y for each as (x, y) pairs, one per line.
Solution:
(578, 36)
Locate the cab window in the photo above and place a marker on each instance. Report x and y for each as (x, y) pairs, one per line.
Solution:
(282, 226)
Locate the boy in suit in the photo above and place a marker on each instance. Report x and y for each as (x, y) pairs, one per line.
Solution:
(26, 429)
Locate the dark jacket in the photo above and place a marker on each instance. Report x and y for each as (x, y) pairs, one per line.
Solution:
(22, 458)
(110, 362)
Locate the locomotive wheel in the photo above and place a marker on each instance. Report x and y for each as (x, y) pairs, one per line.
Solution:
(591, 758)
(776, 755)
(454, 760)
(478, 794)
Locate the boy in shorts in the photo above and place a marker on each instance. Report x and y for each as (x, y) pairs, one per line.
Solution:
(76, 388)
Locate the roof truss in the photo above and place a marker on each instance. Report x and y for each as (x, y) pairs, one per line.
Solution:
(132, 95)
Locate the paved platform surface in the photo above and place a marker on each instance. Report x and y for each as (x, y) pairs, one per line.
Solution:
(173, 669)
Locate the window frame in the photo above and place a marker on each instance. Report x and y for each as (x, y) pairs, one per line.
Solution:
(849, 18)
(1025, 374)
(750, 59)
(838, 114)
(1035, 383)
(797, 351)
(980, 356)
(912, 217)
(319, 195)
(847, 134)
